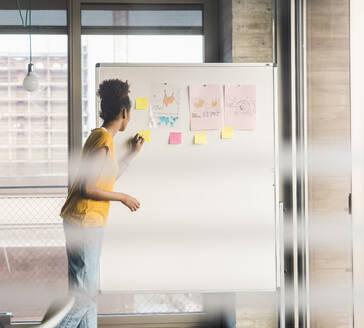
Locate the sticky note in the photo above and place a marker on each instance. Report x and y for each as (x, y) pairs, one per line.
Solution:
(227, 132)
(145, 134)
(141, 103)
(175, 138)
(200, 138)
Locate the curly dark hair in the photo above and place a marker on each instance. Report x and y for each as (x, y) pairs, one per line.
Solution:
(114, 98)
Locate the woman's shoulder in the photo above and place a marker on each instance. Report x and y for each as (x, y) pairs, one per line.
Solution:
(98, 137)
(100, 133)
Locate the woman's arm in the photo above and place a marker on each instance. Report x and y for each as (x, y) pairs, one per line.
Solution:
(136, 144)
(123, 163)
(91, 173)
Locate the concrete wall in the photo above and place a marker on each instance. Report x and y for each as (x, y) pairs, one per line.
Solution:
(252, 31)
(246, 31)
(328, 83)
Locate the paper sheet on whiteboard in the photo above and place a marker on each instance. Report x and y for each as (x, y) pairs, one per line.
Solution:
(240, 106)
(206, 107)
(164, 105)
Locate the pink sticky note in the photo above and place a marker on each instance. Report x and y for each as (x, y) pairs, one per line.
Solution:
(175, 138)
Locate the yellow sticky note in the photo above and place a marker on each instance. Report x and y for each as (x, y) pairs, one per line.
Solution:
(200, 138)
(145, 134)
(227, 132)
(141, 103)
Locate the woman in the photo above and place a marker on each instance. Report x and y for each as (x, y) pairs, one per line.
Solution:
(86, 208)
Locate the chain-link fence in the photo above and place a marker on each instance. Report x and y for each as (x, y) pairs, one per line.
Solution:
(31, 222)
(33, 265)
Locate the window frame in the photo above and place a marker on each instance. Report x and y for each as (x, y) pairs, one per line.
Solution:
(18, 29)
(42, 187)
(209, 8)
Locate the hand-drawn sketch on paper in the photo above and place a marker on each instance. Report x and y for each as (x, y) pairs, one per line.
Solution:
(240, 106)
(206, 107)
(164, 105)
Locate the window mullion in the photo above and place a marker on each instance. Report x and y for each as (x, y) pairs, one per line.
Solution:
(74, 76)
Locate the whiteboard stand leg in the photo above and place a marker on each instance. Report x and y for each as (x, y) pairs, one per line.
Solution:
(281, 290)
(220, 310)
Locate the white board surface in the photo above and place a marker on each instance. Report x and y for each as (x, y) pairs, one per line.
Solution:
(207, 216)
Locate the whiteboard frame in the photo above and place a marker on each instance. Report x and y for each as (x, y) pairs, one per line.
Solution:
(98, 65)
(277, 216)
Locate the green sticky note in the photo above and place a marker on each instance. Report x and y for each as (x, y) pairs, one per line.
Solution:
(227, 132)
(200, 138)
(141, 103)
(145, 134)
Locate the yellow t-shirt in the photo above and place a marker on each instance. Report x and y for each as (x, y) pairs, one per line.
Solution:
(83, 211)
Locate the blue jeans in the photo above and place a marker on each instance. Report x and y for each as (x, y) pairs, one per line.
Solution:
(83, 246)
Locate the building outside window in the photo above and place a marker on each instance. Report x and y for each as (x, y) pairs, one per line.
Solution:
(33, 125)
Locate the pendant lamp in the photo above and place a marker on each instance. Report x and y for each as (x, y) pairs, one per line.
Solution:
(30, 82)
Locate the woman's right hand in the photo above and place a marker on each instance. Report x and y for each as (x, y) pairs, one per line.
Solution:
(136, 144)
(130, 202)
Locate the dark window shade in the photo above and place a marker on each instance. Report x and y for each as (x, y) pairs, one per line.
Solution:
(142, 18)
(39, 18)
(36, 4)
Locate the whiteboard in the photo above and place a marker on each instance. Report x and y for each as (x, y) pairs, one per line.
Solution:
(207, 220)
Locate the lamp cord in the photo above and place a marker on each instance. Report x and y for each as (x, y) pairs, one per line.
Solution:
(30, 30)
(20, 14)
(27, 23)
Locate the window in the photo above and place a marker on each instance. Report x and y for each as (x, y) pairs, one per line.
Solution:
(33, 155)
(33, 152)
(34, 125)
